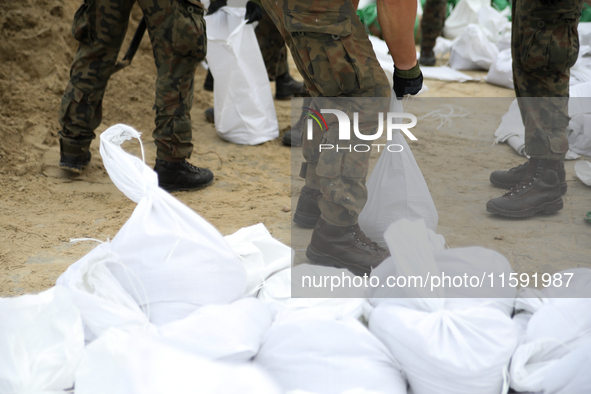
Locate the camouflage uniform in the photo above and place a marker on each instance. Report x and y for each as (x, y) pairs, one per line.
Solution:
(272, 47)
(177, 33)
(432, 22)
(336, 59)
(545, 45)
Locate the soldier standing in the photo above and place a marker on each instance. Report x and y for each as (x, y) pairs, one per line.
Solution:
(431, 28)
(545, 45)
(177, 33)
(335, 57)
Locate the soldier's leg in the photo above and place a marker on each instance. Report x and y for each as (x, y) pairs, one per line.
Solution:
(544, 47)
(99, 26)
(431, 26)
(274, 53)
(177, 32)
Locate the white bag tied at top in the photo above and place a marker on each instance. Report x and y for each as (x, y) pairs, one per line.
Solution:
(166, 257)
(319, 354)
(444, 345)
(396, 190)
(41, 342)
(243, 102)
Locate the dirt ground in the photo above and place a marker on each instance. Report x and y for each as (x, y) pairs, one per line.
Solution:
(42, 208)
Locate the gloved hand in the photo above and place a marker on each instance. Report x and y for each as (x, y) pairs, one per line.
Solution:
(407, 81)
(216, 5)
(254, 12)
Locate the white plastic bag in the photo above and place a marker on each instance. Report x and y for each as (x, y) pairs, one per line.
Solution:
(317, 299)
(473, 50)
(396, 190)
(261, 254)
(464, 13)
(41, 342)
(124, 363)
(444, 345)
(501, 71)
(167, 258)
(243, 102)
(323, 355)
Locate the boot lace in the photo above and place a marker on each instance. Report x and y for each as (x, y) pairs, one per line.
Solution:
(359, 236)
(533, 173)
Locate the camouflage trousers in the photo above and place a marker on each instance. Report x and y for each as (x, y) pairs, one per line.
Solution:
(545, 45)
(333, 54)
(432, 22)
(272, 47)
(177, 33)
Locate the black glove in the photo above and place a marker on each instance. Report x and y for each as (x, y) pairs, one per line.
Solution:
(216, 5)
(407, 81)
(254, 12)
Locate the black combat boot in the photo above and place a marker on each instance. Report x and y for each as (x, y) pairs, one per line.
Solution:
(181, 175)
(307, 212)
(287, 87)
(344, 247)
(209, 115)
(538, 191)
(507, 179)
(74, 156)
(427, 57)
(208, 83)
(293, 136)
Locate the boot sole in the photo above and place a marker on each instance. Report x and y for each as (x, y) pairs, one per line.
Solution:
(319, 258)
(506, 186)
(178, 188)
(549, 207)
(305, 221)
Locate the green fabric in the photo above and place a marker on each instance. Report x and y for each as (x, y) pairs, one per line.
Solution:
(586, 13)
(368, 14)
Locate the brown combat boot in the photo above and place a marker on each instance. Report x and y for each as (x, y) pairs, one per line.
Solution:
(344, 247)
(307, 212)
(538, 191)
(507, 179)
(427, 57)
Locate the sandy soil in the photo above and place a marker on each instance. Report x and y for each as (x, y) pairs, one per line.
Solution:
(41, 208)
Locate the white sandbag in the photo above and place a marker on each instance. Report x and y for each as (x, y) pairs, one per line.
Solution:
(396, 190)
(102, 301)
(166, 257)
(323, 355)
(416, 252)
(444, 345)
(570, 374)
(230, 333)
(261, 254)
(553, 332)
(445, 73)
(460, 351)
(41, 342)
(494, 25)
(583, 171)
(584, 29)
(122, 363)
(464, 13)
(243, 102)
(473, 50)
(314, 295)
(501, 71)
